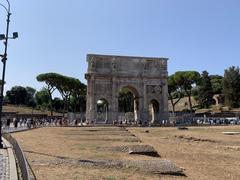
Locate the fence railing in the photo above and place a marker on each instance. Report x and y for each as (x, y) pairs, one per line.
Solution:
(21, 160)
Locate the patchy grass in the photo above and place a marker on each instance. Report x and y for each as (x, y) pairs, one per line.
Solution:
(109, 178)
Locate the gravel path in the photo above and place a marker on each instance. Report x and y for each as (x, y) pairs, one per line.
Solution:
(4, 165)
(4, 158)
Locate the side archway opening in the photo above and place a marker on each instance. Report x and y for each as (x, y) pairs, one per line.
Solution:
(153, 110)
(102, 110)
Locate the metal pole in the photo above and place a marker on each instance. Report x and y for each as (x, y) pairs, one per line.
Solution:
(4, 59)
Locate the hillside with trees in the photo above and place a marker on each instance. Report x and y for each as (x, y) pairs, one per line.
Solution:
(184, 86)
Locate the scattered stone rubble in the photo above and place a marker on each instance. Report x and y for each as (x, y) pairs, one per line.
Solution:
(194, 139)
(157, 166)
(134, 149)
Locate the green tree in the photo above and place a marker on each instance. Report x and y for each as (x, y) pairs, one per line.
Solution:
(43, 98)
(78, 99)
(17, 95)
(30, 99)
(65, 85)
(50, 80)
(174, 92)
(186, 80)
(58, 104)
(205, 95)
(231, 87)
(31, 91)
(217, 84)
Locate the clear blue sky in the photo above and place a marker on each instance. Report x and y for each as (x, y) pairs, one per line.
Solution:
(56, 35)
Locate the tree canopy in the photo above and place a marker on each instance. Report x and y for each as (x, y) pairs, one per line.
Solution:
(50, 81)
(42, 98)
(205, 90)
(174, 91)
(217, 84)
(67, 86)
(231, 86)
(19, 95)
(186, 80)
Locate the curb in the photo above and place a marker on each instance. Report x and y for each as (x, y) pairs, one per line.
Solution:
(21, 130)
(12, 162)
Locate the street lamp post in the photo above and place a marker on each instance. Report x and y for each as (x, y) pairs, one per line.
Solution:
(4, 37)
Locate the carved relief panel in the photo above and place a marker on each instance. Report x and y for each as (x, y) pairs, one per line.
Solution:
(154, 89)
(101, 88)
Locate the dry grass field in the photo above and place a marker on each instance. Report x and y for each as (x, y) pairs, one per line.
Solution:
(203, 153)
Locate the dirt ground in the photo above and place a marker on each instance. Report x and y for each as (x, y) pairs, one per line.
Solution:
(203, 152)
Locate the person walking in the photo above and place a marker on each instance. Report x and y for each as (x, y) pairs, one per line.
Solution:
(16, 123)
(8, 123)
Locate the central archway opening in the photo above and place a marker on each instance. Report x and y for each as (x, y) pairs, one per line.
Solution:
(128, 105)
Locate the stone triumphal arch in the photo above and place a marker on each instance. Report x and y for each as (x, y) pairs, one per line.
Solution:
(145, 77)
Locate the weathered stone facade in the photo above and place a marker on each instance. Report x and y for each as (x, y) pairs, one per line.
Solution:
(145, 77)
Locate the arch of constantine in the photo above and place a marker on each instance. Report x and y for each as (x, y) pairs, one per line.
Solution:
(145, 78)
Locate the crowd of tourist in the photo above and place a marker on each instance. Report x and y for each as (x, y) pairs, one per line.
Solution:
(11, 123)
(208, 121)
(14, 123)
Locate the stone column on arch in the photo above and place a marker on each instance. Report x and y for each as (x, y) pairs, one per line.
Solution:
(90, 115)
(165, 99)
(144, 103)
(137, 110)
(114, 101)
